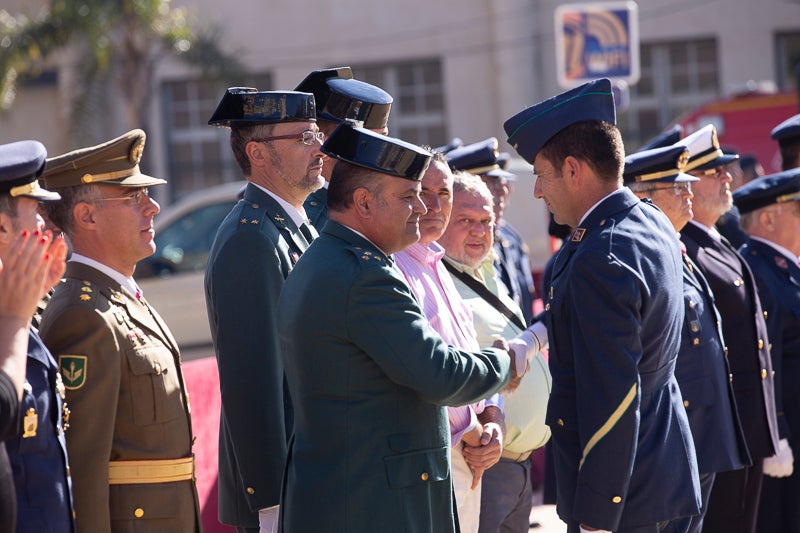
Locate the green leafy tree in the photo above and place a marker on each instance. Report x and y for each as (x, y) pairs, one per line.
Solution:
(111, 49)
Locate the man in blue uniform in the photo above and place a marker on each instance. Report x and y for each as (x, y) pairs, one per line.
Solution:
(339, 97)
(371, 379)
(702, 370)
(38, 451)
(733, 503)
(31, 265)
(770, 211)
(623, 451)
(787, 135)
(276, 141)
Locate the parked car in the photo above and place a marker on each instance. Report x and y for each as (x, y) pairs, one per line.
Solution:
(172, 278)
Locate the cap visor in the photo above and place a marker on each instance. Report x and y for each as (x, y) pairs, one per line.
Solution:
(138, 180)
(682, 177)
(43, 194)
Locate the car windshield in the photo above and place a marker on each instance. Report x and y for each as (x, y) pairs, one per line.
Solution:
(183, 245)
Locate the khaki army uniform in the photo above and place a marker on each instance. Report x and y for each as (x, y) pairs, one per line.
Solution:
(130, 440)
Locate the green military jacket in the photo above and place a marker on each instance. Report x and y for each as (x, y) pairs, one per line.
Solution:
(369, 379)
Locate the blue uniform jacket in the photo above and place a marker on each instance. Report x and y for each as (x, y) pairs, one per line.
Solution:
(370, 380)
(745, 335)
(778, 281)
(255, 248)
(316, 206)
(702, 372)
(622, 447)
(38, 452)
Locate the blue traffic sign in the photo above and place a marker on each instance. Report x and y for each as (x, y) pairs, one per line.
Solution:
(597, 40)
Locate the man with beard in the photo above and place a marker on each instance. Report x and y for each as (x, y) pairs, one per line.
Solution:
(277, 144)
(733, 503)
(339, 97)
(702, 369)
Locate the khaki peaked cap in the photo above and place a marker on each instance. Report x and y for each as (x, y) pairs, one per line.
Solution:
(115, 162)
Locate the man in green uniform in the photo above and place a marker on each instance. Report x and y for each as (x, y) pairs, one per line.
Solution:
(370, 378)
(276, 142)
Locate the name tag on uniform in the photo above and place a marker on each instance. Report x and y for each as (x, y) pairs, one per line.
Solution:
(30, 423)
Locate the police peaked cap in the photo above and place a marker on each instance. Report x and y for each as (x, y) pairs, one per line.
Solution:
(787, 131)
(454, 143)
(704, 150)
(21, 163)
(666, 138)
(658, 165)
(476, 158)
(767, 190)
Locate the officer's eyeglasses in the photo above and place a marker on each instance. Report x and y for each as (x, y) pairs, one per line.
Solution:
(135, 198)
(308, 137)
(679, 188)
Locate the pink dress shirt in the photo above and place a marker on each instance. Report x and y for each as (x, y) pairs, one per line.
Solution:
(448, 315)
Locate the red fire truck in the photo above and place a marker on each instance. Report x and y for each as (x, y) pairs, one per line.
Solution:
(744, 122)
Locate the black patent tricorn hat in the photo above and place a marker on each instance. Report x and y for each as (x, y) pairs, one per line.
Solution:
(316, 83)
(381, 153)
(339, 97)
(357, 100)
(249, 106)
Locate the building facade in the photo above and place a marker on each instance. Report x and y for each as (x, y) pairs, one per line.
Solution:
(455, 68)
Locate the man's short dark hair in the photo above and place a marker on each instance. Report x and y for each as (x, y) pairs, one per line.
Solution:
(598, 143)
(60, 211)
(243, 134)
(346, 178)
(8, 205)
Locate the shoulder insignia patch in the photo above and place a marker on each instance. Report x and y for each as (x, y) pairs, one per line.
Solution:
(73, 370)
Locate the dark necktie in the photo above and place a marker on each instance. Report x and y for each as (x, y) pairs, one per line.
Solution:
(308, 232)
